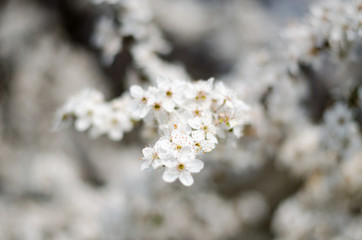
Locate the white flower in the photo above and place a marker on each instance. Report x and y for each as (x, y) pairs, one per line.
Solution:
(201, 143)
(64, 116)
(206, 125)
(232, 119)
(199, 93)
(189, 117)
(156, 105)
(171, 91)
(340, 132)
(228, 97)
(118, 123)
(176, 121)
(195, 111)
(85, 113)
(182, 168)
(180, 140)
(152, 157)
(80, 108)
(108, 38)
(140, 105)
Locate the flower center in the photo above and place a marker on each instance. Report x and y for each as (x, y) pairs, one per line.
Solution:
(181, 166)
(65, 117)
(197, 112)
(223, 118)
(157, 106)
(114, 121)
(90, 112)
(201, 95)
(341, 120)
(168, 93)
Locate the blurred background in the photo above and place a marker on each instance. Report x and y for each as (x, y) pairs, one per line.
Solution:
(65, 186)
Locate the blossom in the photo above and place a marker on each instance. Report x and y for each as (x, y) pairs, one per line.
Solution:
(180, 140)
(152, 157)
(206, 125)
(82, 105)
(85, 113)
(64, 116)
(171, 91)
(185, 165)
(189, 116)
(107, 37)
(199, 93)
(117, 123)
(156, 104)
(201, 142)
(176, 121)
(140, 104)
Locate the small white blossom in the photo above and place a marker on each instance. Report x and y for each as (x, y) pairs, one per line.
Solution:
(171, 91)
(202, 143)
(152, 157)
(140, 104)
(107, 38)
(182, 168)
(176, 121)
(118, 123)
(199, 93)
(85, 113)
(180, 140)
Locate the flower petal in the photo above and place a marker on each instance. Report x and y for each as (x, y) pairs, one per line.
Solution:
(207, 146)
(143, 110)
(170, 174)
(198, 135)
(195, 123)
(157, 163)
(115, 134)
(162, 82)
(195, 165)
(136, 91)
(147, 152)
(82, 124)
(146, 164)
(169, 105)
(186, 178)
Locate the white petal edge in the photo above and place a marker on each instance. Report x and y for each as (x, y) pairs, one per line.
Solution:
(136, 91)
(195, 166)
(170, 175)
(82, 124)
(186, 178)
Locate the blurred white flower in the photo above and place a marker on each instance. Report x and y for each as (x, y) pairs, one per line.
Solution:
(140, 104)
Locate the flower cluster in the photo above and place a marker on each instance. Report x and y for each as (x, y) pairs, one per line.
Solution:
(333, 25)
(190, 118)
(340, 132)
(133, 19)
(89, 111)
